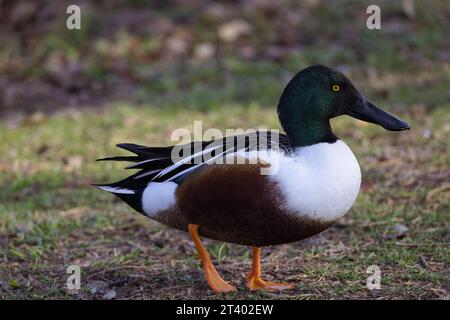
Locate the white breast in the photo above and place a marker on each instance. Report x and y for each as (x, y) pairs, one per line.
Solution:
(321, 181)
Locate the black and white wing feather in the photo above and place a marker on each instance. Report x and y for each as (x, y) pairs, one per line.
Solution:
(175, 163)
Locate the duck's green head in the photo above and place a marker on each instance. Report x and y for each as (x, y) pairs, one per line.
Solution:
(317, 94)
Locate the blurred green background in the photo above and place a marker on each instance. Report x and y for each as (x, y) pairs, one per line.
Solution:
(137, 70)
(199, 54)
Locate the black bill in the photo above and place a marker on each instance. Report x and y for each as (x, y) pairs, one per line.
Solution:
(366, 111)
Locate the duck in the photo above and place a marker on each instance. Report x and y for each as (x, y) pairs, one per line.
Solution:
(260, 188)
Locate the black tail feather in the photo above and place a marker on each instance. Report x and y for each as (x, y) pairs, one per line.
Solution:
(148, 160)
(130, 159)
(144, 151)
(133, 200)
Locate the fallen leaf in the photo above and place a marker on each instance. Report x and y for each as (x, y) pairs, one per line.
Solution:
(233, 30)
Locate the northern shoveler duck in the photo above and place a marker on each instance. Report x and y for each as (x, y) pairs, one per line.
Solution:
(314, 182)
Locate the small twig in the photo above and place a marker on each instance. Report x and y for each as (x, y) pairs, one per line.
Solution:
(374, 224)
(323, 275)
(115, 269)
(432, 244)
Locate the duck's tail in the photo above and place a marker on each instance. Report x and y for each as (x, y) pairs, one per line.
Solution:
(131, 197)
(150, 161)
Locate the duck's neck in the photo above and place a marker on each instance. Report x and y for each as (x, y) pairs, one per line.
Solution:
(308, 132)
(303, 127)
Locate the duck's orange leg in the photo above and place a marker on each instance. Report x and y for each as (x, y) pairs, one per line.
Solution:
(214, 279)
(254, 281)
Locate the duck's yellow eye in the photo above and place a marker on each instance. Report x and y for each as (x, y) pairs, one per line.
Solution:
(336, 87)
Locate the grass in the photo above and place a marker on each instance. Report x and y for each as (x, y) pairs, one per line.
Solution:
(50, 216)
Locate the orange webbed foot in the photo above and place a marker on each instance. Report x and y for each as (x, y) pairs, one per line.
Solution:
(215, 281)
(254, 281)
